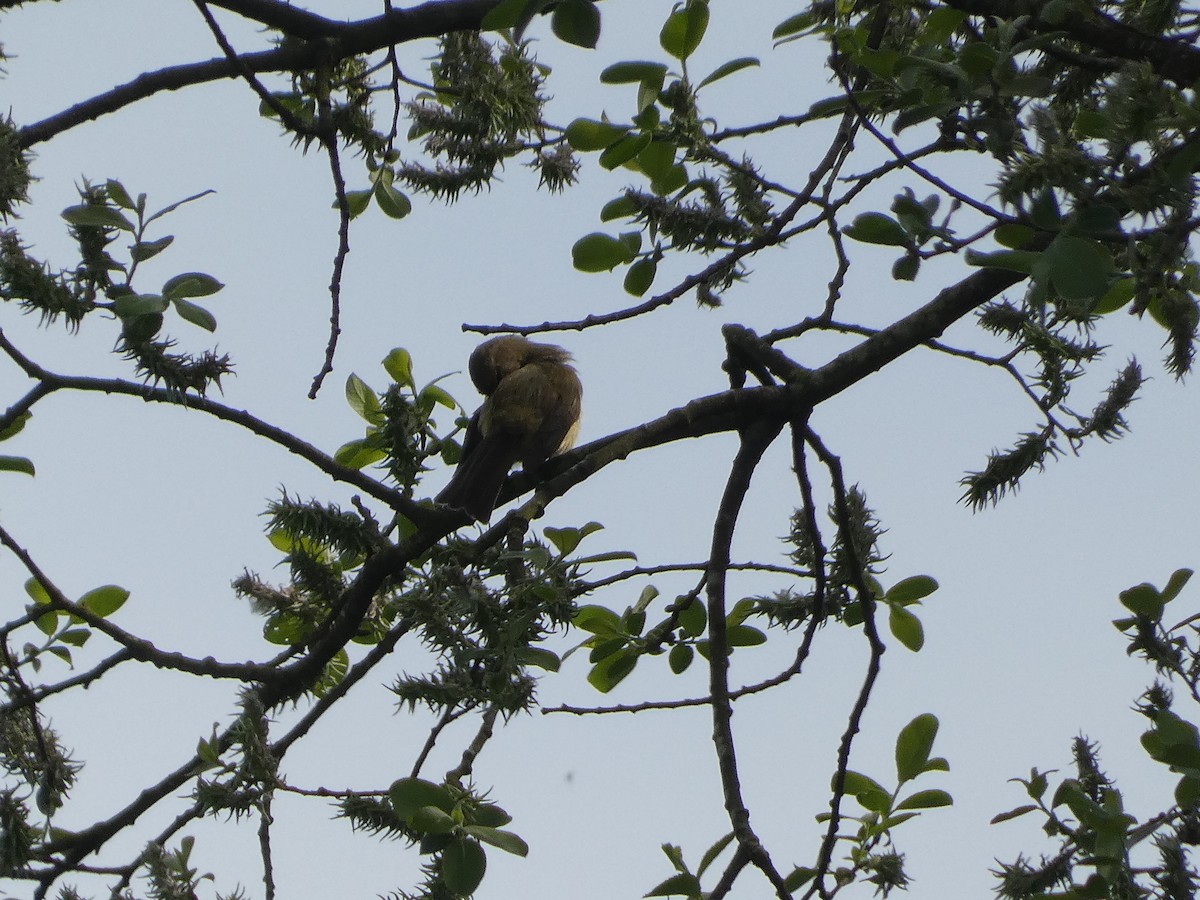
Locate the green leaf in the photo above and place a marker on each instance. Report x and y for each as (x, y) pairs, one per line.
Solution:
(357, 201)
(599, 252)
(745, 636)
(88, 216)
(877, 228)
(540, 657)
(104, 601)
(511, 14)
(640, 276)
(1179, 578)
(16, 426)
(1119, 293)
(1013, 813)
(684, 29)
(795, 26)
(634, 73)
(144, 250)
(931, 799)
(612, 670)
(734, 65)
(657, 158)
(587, 135)
(16, 464)
(358, 454)
(394, 202)
(680, 658)
(504, 840)
(867, 791)
(408, 795)
(118, 195)
(191, 284)
(624, 149)
(906, 627)
(130, 305)
(1013, 260)
(906, 267)
(1079, 268)
(37, 593)
(1143, 600)
(363, 400)
(618, 208)
(798, 877)
(1013, 236)
(597, 619)
(432, 394)
(398, 364)
(693, 618)
(913, 746)
(197, 315)
(463, 864)
(683, 884)
(712, 853)
(576, 22)
(76, 637)
(910, 590)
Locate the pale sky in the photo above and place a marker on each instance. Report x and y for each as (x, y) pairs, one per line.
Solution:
(1020, 655)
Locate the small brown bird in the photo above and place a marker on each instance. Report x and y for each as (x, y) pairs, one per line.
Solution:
(530, 412)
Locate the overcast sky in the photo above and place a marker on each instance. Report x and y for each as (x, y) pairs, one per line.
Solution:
(1020, 654)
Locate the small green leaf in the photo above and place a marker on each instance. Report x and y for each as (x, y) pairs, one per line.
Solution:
(16, 426)
(394, 202)
(745, 636)
(76, 637)
(463, 864)
(795, 26)
(930, 799)
(684, 29)
(597, 619)
(618, 208)
(712, 853)
(587, 135)
(910, 590)
(867, 791)
(1079, 267)
(363, 400)
(680, 658)
(906, 627)
(358, 454)
(357, 201)
(640, 276)
(1014, 260)
(197, 315)
(721, 71)
(1013, 813)
(634, 73)
(877, 228)
(131, 305)
(683, 884)
(599, 252)
(432, 394)
(612, 670)
(118, 195)
(16, 464)
(1119, 293)
(88, 216)
(407, 795)
(104, 601)
(693, 618)
(657, 158)
(504, 840)
(398, 364)
(906, 267)
(1143, 600)
(623, 150)
(913, 746)
(511, 14)
(798, 877)
(1013, 236)
(1176, 583)
(191, 284)
(144, 250)
(540, 657)
(576, 22)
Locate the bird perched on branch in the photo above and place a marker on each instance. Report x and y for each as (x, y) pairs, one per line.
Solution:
(530, 412)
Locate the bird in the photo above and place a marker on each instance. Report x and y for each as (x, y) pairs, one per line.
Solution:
(531, 411)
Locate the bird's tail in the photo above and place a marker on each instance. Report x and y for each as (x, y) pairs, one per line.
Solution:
(480, 475)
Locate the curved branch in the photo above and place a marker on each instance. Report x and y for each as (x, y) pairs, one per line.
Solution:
(335, 40)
